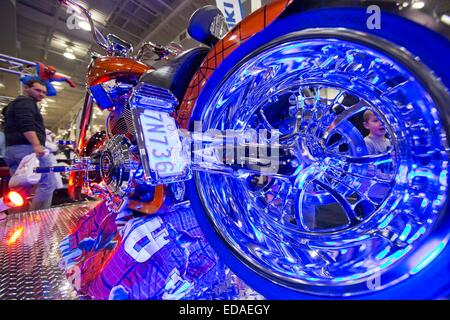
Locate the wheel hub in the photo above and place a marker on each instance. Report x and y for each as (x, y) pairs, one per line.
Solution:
(115, 165)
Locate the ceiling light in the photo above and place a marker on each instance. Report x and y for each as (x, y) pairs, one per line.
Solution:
(83, 24)
(69, 54)
(49, 100)
(445, 18)
(2, 85)
(418, 5)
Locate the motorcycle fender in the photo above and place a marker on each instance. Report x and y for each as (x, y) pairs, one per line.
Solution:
(247, 28)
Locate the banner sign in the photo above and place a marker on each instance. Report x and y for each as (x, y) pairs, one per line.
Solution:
(232, 11)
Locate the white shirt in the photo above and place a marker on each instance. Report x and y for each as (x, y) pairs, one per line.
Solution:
(377, 146)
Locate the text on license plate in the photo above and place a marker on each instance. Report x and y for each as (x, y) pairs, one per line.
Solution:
(162, 143)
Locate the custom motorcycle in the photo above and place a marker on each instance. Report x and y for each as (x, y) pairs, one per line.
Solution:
(327, 218)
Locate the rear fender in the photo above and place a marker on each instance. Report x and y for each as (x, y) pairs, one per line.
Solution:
(247, 28)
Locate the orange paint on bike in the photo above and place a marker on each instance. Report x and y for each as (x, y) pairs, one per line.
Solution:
(152, 206)
(76, 179)
(253, 24)
(107, 68)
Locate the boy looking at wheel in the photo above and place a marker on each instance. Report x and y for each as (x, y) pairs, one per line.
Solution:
(376, 141)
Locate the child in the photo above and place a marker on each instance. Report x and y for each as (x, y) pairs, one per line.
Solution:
(376, 141)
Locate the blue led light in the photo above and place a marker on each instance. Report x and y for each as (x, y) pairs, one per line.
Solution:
(400, 253)
(395, 257)
(386, 221)
(382, 161)
(339, 279)
(415, 174)
(383, 253)
(424, 203)
(313, 279)
(366, 236)
(405, 232)
(429, 258)
(443, 177)
(406, 197)
(417, 235)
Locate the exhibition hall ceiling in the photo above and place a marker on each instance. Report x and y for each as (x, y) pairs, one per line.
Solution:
(43, 30)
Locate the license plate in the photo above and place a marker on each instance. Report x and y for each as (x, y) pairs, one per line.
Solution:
(162, 144)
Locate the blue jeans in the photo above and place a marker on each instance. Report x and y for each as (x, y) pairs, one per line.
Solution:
(44, 191)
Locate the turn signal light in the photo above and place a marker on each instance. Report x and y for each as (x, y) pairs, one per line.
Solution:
(14, 199)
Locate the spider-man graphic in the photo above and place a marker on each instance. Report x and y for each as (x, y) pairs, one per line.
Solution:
(48, 75)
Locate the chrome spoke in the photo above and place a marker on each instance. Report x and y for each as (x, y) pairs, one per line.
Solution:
(362, 195)
(349, 212)
(361, 176)
(299, 213)
(344, 115)
(370, 159)
(336, 144)
(266, 124)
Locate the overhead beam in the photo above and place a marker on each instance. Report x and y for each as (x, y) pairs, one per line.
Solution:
(47, 21)
(175, 14)
(8, 45)
(50, 33)
(70, 114)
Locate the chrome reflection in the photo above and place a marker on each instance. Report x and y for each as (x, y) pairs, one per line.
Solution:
(344, 215)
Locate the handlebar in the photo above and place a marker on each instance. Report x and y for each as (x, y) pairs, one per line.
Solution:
(72, 168)
(98, 36)
(113, 44)
(161, 51)
(65, 142)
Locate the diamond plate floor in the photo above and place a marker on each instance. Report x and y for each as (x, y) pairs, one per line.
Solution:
(29, 254)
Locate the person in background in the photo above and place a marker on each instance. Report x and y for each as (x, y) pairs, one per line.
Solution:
(2, 154)
(25, 134)
(376, 141)
(52, 146)
(2, 142)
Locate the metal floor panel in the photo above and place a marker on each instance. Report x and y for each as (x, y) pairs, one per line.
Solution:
(30, 256)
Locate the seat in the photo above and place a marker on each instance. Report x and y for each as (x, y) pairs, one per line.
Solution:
(177, 73)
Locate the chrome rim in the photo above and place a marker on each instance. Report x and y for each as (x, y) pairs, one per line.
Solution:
(345, 216)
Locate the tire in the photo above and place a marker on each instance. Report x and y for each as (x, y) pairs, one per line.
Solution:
(408, 256)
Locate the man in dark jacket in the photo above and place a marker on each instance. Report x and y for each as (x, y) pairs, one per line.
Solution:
(25, 134)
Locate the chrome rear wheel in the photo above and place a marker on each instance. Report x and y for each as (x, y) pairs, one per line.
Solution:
(345, 217)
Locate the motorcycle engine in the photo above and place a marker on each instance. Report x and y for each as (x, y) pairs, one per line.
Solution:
(119, 173)
(120, 122)
(117, 166)
(125, 171)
